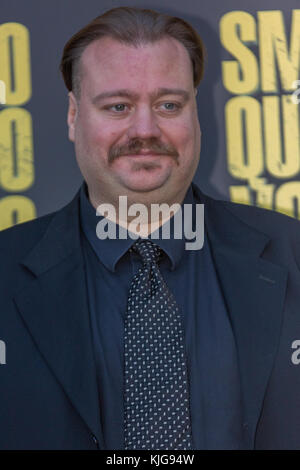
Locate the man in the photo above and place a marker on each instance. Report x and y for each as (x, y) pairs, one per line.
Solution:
(142, 344)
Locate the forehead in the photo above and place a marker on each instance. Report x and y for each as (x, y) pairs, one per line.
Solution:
(106, 62)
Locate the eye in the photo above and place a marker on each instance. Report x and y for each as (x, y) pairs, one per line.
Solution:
(170, 106)
(118, 108)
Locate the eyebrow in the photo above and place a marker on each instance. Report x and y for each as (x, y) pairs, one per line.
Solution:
(124, 93)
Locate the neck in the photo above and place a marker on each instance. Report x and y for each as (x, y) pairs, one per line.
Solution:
(141, 218)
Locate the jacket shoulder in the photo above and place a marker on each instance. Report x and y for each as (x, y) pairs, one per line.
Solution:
(270, 222)
(264, 220)
(19, 239)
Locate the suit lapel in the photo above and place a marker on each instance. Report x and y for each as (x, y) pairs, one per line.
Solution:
(254, 291)
(52, 301)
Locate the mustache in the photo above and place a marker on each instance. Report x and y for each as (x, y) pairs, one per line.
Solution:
(135, 146)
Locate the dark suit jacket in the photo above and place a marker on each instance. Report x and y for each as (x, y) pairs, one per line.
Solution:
(48, 390)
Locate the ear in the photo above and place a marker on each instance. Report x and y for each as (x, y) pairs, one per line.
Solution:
(72, 115)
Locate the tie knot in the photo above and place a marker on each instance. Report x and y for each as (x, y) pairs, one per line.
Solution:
(149, 251)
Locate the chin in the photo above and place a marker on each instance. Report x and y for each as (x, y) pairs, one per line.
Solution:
(144, 188)
(146, 182)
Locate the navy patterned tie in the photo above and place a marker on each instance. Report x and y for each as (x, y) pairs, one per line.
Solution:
(156, 397)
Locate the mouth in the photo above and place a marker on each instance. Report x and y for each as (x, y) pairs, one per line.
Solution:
(144, 153)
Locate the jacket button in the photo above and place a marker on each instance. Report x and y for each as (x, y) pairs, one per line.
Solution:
(95, 440)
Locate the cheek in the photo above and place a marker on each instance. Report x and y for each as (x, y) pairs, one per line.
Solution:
(88, 128)
(184, 131)
(102, 133)
(185, 139)
(94, 136)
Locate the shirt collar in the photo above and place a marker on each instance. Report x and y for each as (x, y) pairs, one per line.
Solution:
(110, 251)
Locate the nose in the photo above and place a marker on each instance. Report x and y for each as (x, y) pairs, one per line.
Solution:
(144, 124)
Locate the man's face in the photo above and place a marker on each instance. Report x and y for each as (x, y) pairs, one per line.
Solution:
(135, 126)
